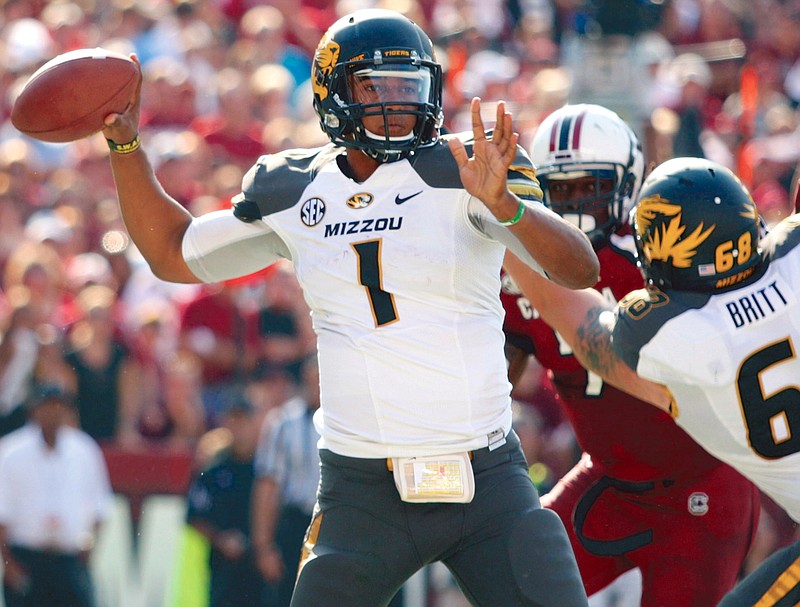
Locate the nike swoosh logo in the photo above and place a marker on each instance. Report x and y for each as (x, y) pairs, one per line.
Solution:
(400, 200)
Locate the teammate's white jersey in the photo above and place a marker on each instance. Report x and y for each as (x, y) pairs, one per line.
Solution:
(402, 275)
(731, 361)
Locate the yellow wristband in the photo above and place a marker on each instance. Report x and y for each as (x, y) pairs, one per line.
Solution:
(125, 148)
(515, 220)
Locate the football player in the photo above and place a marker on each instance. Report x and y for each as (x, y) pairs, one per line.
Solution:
(711, 341)
(643, 494)
(397, 236)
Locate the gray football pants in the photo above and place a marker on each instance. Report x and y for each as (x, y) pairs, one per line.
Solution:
(503, 549)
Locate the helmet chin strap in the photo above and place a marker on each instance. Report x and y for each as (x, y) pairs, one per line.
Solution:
(377, 137)
(384, 156)
(387, 155)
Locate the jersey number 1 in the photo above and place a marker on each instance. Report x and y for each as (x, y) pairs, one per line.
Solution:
(369, 275)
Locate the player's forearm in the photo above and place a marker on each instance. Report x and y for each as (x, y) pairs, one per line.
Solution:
(562, 308)
(155, 221)
(562, 250)
(264, 514)
(583, 319)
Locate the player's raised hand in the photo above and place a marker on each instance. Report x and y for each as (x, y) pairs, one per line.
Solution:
(484, 174)
(123, 127)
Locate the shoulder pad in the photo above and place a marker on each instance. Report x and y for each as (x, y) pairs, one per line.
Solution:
(437, 167)
(632, 331)
(276, 181)
(642, 313)
(782, 238)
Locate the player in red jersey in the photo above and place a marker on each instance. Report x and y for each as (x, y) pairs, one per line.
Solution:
(644, 494)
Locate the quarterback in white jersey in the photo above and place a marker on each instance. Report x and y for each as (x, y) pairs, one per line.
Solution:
(713, 338)
(400, 273)
(397, 236)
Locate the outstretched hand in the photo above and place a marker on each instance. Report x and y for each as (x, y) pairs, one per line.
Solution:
(123, 127)
(484, 175)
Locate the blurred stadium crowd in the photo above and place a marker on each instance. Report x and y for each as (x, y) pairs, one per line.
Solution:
(227, 81)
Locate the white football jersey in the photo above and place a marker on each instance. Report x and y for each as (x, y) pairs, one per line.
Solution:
(402, 275)
(731, 361)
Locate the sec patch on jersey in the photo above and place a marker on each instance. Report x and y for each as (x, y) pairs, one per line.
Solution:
(69, 96)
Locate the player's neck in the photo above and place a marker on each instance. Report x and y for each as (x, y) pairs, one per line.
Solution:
(358, 165)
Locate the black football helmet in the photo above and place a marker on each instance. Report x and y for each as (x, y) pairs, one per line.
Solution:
(696, 227)
(366, 46)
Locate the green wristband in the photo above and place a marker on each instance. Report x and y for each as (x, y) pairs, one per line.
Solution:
(515, 220)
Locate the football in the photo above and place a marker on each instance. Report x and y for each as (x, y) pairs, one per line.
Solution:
(69, 96)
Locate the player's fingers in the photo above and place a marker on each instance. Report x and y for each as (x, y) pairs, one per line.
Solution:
(458, 152)
(478, 132)
(511, 152)
(117, 120)
(502, 141)
(499, 127)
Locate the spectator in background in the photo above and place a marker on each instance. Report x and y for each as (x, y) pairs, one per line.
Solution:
(264, 34)
(12, 213)
(170, 385)
(271, 86)
(183, 162)
(284, 322)
(287, 475)
(183, 399)
(19, 350)
(222, 336)
(269, 387)
(692, 77)
(29, 352)
(39, 269)
(38, 308)
(171, 94)
(54, 494)
(219, 507)
(105, 375)
(232, 133)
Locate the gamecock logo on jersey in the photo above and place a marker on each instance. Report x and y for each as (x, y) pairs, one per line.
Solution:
(312, 211)
(698, 503)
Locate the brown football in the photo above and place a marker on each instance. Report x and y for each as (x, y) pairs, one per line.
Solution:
(69, 96)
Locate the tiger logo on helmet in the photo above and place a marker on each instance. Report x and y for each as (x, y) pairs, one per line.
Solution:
(325, 59)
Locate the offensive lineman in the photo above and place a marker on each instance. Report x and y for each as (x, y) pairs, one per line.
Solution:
(712, 339)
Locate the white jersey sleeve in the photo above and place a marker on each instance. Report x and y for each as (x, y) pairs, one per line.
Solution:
(219, 246)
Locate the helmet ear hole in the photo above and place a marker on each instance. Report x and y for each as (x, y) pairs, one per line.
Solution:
(627, 188)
